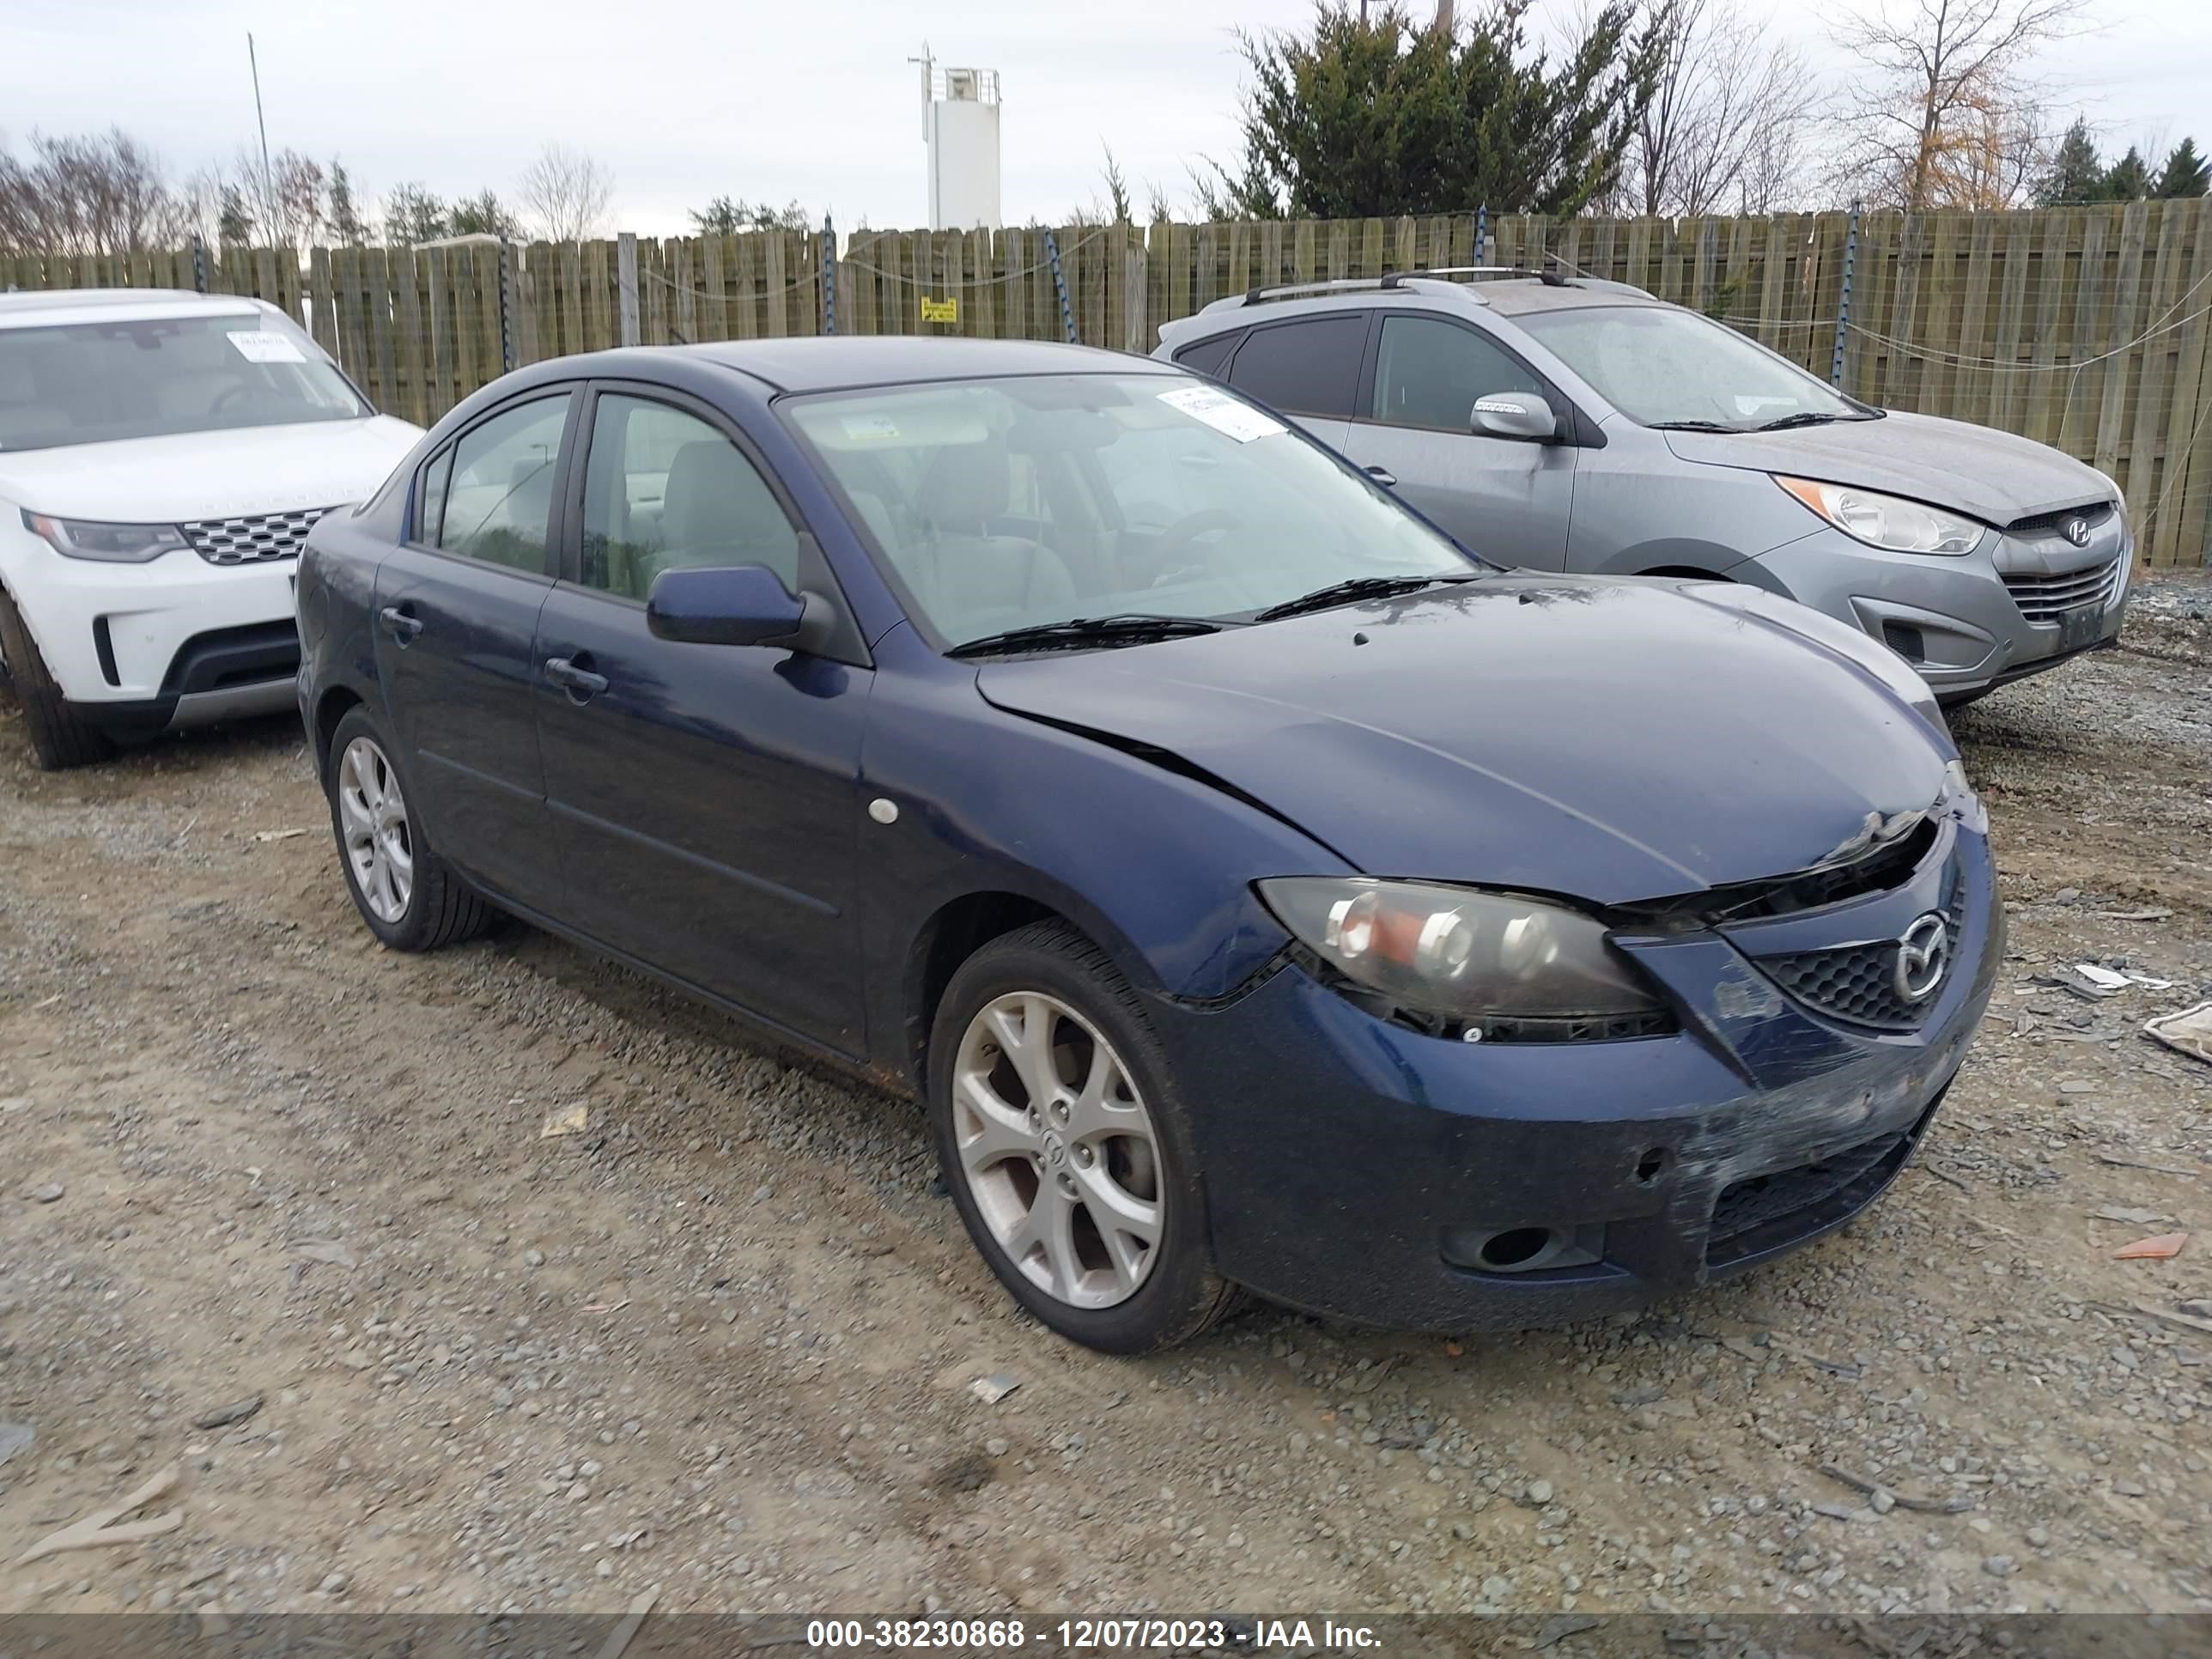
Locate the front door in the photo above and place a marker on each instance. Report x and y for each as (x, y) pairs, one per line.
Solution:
(704, 795)
(456, 615)
(1506, 498)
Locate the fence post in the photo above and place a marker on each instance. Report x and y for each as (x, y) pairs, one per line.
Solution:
(1482, 235)
(506, 323)
(1843, 305)
(199, 265)
(1059, 281)
(1136, 297)
(626, 284)
(828, 274)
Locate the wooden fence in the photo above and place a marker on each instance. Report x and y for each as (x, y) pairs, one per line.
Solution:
(2088, 328)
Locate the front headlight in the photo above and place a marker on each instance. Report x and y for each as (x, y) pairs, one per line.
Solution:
(1885, 521)
(110, 544)
(1457, 953)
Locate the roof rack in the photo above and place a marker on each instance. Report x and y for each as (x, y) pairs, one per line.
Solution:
(1548, 274)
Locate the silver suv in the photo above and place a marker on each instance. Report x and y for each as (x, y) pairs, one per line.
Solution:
(1572, 424)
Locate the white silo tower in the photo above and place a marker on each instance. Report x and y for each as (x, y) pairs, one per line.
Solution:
(960, 127)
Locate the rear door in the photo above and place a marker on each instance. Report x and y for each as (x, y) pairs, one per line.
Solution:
(1307, 368)
(1508, 498)
(454, 619)
(704, 795)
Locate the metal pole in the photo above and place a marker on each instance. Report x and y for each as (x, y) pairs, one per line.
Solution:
(506, 328)
(267, 190)
(199, 265)
(1843, 305)
(1482, 235)
(828, 274)
(1059, 281)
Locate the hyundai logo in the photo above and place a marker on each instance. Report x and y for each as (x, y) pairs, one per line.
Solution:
(1923, 953)
(2078, 531)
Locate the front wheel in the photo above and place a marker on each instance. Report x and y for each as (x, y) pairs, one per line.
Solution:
(60, 736)
(1065, 1145)
(409, 895)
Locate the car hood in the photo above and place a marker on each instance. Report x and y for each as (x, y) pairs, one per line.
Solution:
(209, 475)
(1608, 740)
(1994, 477)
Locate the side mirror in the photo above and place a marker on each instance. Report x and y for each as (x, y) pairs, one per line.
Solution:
(1520, 414)
(731, 604)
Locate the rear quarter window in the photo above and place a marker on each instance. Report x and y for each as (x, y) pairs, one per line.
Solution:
(1310, 367)
(1207, 356)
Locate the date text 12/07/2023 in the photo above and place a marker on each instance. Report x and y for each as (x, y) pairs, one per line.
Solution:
(1015, 1633)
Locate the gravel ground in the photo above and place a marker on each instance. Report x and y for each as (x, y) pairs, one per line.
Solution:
(720, 1342)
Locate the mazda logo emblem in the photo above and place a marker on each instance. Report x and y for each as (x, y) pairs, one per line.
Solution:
(1923, 953)
(2078, 531)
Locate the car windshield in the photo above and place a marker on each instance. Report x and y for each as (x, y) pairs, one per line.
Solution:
(94, 382)
(1662, 367)
(1013, 503)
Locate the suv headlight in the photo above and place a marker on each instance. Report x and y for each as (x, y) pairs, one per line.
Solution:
(1885, 521)
(110, 544)
(1458, 953)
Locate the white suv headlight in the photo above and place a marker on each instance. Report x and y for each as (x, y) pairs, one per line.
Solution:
(109, 543)
(1885, 521)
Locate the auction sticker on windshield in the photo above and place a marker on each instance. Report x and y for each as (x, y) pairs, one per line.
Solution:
(1222, 413)
(266, 346)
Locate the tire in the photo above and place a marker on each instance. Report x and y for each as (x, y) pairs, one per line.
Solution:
(419, 903)
(1107, 1290)
(60, 736)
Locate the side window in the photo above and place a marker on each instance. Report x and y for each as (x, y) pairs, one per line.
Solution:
(499, 500)
(1430, 372)
(665, 490)
(435, 478)
(1309, 368)
(1207, 356)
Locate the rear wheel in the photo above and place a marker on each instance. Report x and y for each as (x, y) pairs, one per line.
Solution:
(409, 895)
(1065, 1145)
(60, 736)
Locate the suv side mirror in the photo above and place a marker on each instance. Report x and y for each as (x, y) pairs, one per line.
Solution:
(733, 605)
(1520, 414)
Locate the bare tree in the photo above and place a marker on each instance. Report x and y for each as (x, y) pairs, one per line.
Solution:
(1726, 126)
(564, 194)
(97, 194)
(1945, 110)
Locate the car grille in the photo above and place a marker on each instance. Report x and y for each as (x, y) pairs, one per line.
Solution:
(1744, 1206)
(2092, 514)
(2043, 599)
(250, 541)
(1857, 983)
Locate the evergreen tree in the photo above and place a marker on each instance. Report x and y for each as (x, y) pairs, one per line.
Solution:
(2129, 178)
(2185, 173)
(2077, 172)
(234, 218)
(346, 228)
(482, 215)
(412, 214)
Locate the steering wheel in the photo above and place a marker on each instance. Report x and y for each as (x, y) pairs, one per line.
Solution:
(1189, 527)
(230, 394)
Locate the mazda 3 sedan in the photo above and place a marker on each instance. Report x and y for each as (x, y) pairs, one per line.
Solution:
(1261, 892)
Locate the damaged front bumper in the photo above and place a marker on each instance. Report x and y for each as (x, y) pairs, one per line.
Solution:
(1360, 1169)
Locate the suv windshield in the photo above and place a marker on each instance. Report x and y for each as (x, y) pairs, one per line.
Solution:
(1662, 367)
(89, 383)
(1004, 504)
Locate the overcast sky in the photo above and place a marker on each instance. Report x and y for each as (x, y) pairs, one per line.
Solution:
(685, 99)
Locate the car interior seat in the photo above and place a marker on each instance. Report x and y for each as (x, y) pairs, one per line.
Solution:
(972, 580)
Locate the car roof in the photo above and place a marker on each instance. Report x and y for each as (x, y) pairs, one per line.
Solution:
(1504, 296)
(819, 362)
(45, 308)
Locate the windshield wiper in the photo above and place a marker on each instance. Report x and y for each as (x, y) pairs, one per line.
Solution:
(1693, 426)
(1802, 417)
(1131, 628)
(1359, 587)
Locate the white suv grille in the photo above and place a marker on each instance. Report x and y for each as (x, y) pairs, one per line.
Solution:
(249, 541)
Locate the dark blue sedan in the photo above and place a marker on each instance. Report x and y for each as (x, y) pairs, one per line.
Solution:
(1260, 892)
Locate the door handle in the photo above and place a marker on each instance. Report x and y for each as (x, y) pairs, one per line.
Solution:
(581, 684)
(403, 626)
(1383, 475)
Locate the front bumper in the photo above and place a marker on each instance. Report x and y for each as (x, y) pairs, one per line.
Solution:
(1342, 1155)
(1956, 618)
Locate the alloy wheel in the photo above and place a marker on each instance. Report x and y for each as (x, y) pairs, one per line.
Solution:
(1058, 1149)
(372, 816)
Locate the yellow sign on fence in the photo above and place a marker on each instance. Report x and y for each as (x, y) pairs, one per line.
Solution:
(941, 311)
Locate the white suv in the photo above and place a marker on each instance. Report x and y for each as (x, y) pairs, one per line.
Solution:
(162, 456)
